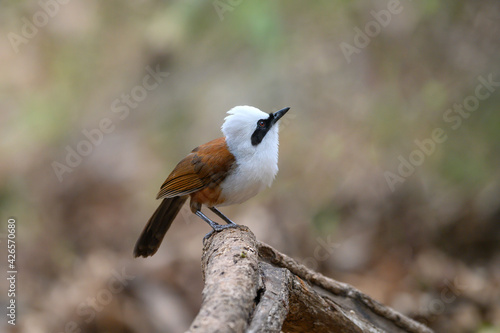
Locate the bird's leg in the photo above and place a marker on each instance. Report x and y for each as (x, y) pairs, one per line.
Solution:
(222, 216)
(216, 227)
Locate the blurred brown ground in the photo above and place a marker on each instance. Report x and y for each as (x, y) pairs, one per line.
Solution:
(430, 248)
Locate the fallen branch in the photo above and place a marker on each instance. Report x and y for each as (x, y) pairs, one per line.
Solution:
(251, 287)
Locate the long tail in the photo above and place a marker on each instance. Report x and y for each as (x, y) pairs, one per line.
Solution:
(157, 226)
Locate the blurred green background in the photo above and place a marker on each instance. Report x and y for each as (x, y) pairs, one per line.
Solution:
(356, 198)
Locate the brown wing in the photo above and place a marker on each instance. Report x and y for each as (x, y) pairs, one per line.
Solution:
(206, 165)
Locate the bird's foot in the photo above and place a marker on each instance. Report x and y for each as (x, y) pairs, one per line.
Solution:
(218, 228)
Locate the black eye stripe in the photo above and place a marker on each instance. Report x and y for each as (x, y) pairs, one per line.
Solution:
(263, 126)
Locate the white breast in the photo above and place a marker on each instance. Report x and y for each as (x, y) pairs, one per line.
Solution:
(255, 166)
(253, 172)
(242, 184)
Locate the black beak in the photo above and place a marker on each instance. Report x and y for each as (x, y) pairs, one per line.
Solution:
(278, 114)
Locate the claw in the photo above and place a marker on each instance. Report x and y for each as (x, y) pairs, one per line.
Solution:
(207, 236)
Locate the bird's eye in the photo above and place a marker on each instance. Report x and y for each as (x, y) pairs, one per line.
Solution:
(261, 123)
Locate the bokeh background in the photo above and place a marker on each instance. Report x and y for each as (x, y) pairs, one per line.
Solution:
(424, 239)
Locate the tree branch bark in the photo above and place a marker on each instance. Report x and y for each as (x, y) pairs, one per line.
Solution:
(251, 287)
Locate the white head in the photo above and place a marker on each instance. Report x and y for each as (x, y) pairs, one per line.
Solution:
(252, 137)
(248, 130)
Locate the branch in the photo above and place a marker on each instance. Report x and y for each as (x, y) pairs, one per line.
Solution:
(251, 287)
(272, 303)
(230, 271)
(340, 289)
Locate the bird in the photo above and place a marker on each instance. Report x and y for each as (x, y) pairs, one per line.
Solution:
(225, 171)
